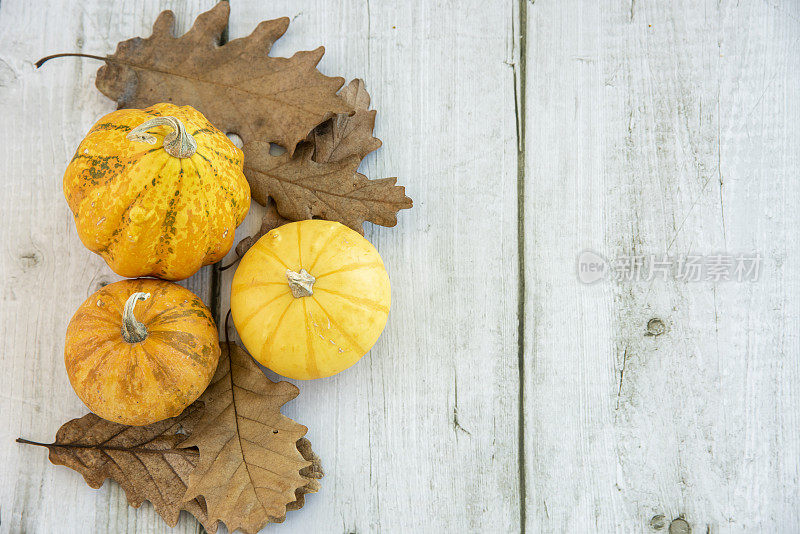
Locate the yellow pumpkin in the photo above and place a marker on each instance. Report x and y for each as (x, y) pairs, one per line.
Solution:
(135, 362)
(310, 298)
(157, 192)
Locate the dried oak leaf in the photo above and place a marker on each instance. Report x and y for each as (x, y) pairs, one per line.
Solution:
(313, 472)
(237, 86)
(304, 189)
(347, 135)
(144, 460)
(150, 463)
(271, 220)
(250, 469)
(320, 180)
(337, 139)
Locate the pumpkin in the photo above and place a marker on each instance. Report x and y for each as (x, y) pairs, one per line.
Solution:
(157, 192)
(310, 298)
(140, 351)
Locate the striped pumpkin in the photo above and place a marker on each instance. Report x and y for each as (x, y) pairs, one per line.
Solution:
(310, 298)
(140, 351)
(157, 192)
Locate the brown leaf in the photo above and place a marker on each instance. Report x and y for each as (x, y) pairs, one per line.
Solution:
(154, 462)
(144, 460)
(271, 220)
(314, 472)
(347, 135)
(264, 100)
(337, 139)
(237, 86)
(303, 188)
(250, 468)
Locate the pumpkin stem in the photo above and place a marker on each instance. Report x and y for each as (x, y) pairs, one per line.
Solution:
(133, 331)
(301, 283)
(177, 143)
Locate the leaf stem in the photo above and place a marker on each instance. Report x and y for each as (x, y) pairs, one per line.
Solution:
(234, 262)
(67, 54)
(185, 452)
(29, 442)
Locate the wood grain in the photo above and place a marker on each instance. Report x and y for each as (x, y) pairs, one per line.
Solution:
(661, 128)
(46, 271)
(621, 127)
(420, 435)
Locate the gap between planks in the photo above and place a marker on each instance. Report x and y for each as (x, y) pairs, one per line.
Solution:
(520, 73)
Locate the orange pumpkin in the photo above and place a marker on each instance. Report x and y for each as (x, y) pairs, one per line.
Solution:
(140, 351)
(157, 192)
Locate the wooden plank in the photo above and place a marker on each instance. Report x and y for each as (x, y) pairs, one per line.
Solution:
(47, 273)
(421, 435)
(661, 128)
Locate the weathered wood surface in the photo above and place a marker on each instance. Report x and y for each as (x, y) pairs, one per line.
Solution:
(421, 434)
(46, 272)
(661, 127)
(642, 127)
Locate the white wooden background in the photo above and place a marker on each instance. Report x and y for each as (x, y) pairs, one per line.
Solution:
(504, 395)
